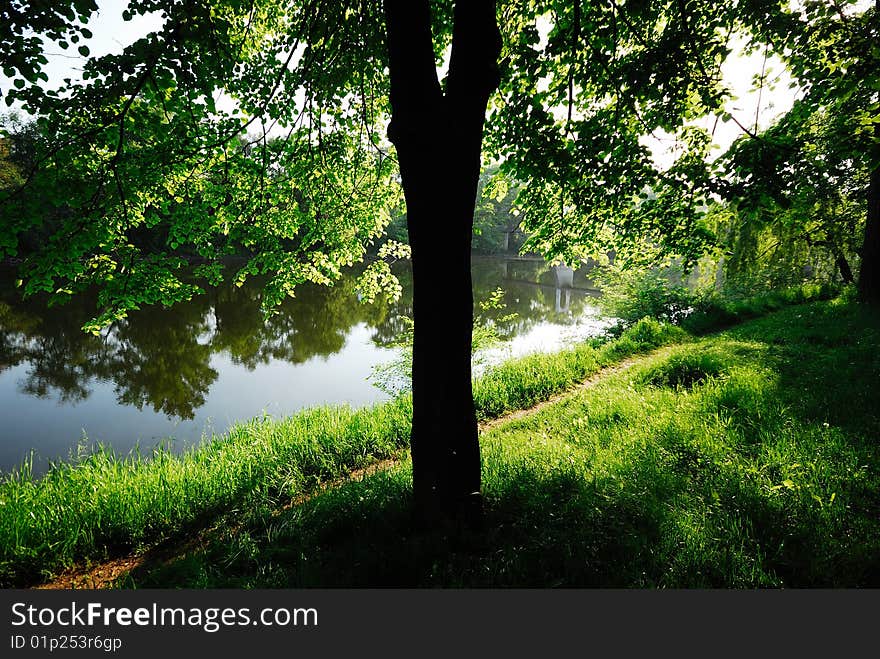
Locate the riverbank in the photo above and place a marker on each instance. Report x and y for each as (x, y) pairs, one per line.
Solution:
(106, 506)
(740, 460)
(201, 366)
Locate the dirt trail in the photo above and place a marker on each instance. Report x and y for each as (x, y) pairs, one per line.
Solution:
(105, 574)
(555, 398)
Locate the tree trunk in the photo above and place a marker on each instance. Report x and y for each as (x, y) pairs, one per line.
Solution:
(846, 272)
(869, 273)
(438, 137)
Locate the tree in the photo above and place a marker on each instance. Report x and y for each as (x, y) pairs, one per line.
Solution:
(823, 157)
(161, 138)
(801, 185)
(438, 136)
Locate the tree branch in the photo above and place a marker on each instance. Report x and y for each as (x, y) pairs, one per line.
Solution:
(415, 89)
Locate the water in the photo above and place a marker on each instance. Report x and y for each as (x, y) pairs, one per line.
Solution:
(174, 375)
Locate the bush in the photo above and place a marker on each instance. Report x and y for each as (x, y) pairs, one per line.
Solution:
(663, 295)
(634, 294)
(718, 311)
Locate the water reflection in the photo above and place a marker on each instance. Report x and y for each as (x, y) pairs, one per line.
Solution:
(214, 360)
(535, 293)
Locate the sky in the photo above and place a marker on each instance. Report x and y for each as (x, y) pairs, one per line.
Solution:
(752, 106)
(111, 34)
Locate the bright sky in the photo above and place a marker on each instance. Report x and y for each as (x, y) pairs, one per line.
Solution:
(749, 104)
(110, 34)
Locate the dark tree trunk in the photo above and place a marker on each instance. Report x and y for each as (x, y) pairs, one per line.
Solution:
(438, 137)
(869, 273)
(846, 272)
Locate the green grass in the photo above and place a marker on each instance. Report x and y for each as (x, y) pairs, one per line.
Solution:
(106, 505)
(745, 459)
(523, 382)
(714, 312)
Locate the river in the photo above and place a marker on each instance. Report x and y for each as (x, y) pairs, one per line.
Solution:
(173, 376)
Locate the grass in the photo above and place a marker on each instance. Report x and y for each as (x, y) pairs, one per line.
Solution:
(714, 312)
(106, 505)
(744, 459)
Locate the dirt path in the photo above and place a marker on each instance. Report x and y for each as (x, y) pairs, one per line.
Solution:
(105, 574)
(555, 398)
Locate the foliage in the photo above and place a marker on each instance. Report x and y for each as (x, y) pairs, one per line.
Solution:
(716, 311)
(496, 221)
(698, 306)
(492, 314)
(800, 186)
(395, 376)
(574, 106)
(24, 24)
(495, 218)
(142, 145)
(377, 278)
(632, 294)
(256, 129)
(799, 190)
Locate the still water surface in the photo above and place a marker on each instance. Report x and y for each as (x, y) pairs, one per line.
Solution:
(174, 375)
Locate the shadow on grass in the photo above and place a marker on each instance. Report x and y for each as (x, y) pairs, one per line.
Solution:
(827, 356)
(362, 534)
(638, 528)
(757, 468)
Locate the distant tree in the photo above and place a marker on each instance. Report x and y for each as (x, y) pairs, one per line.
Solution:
(496, 220)
(818, 168)
(801, 185)
(10, 174)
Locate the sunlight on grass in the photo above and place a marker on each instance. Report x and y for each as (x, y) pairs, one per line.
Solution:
(742, 459)
(702, 466)
(106, 504)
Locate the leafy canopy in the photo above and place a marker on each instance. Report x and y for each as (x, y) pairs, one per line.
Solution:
(255, 128)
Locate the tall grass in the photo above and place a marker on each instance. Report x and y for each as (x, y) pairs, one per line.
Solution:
(522, 382)
(746, 459)
(664, 295)
(106, 504)
(712, 312)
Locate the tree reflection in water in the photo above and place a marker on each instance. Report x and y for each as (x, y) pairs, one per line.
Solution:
(168, 360)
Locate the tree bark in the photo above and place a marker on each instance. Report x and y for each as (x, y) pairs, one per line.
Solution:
(846, 273)
(438, 137)
(869, 273)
